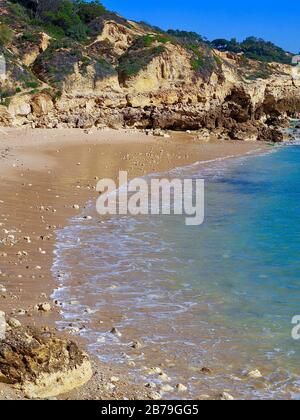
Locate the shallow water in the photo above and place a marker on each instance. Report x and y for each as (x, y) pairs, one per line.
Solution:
(221, 295)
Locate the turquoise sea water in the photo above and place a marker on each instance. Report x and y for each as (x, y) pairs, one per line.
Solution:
(221, 295)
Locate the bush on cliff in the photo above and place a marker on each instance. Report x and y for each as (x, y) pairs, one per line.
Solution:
(63, 17)
(254, 48)
(6, 34)
(140, 54)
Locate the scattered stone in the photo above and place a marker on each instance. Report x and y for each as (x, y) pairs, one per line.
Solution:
(137, 345)
(206, 371)
(151, 385)
(109, 387)
(2, 289)
(116, 332)
(76, 207)
(159, 133)
(14, 323)
(155, 396)
(166, 388)
(2, 325)
(43, 307)
(226, 397)
(154, 371)
(21, 312)
(114, 379)
(88, 311)
(163, 377)
(255, 374)
(181, 388)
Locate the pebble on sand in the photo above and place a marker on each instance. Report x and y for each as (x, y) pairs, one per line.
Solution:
(43, 307)
(155, 396)
(14, 323)
(2, 289)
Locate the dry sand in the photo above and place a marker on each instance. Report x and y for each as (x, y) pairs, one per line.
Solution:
(43, 174)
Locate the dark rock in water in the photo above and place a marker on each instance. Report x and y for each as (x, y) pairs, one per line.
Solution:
(41, 364)
(206, 371)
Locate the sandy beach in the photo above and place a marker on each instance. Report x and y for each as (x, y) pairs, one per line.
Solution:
(47, 176)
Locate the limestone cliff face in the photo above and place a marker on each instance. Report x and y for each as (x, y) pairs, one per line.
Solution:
(128, 76)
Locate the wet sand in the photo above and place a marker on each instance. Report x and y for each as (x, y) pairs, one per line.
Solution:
(47, 176)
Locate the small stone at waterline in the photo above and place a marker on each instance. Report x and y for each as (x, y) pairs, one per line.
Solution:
(21, 312)
(88, 311)
(151, 385)
(116, 332)
(166, 388)
(154, 370)
(163, 377)
(206, 370)
(226, 397)
(76, 207)
(137, 345)
(181, 388)
(255, 374)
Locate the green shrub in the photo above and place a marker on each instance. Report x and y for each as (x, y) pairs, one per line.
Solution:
(6, 34)
(89, 11)
(148, 40)
(32, 85)
(135, 60)
(31, 37)
(19, 11)
(255, 49)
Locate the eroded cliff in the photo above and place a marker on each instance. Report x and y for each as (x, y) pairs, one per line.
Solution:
(130, 75)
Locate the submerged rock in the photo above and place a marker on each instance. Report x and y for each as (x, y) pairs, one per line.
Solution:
(41, 364)
(255, 374)
(181, 388)
(226, 397)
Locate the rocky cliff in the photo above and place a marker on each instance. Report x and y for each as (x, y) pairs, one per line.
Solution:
(131, 75)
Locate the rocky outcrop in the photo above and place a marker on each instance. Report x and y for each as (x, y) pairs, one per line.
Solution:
(41, 364)
(132, 75)
(34, 47)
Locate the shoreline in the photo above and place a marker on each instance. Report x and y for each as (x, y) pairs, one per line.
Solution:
(47, 176)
